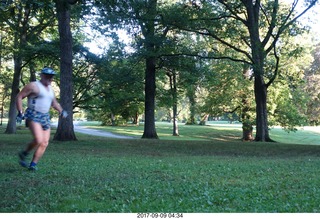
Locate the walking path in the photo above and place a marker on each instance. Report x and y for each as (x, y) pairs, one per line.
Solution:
(95, 132)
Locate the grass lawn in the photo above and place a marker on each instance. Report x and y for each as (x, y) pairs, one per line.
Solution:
(221, 131)
(212, 171)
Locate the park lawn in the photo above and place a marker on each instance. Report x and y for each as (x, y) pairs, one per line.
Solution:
(96, 174)
(218, 130)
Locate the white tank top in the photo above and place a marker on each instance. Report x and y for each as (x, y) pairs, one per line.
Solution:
(41, 102)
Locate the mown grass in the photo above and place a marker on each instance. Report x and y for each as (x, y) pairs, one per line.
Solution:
(221, 131)
(97, 174)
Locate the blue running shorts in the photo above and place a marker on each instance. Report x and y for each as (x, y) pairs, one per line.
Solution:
(42, 118)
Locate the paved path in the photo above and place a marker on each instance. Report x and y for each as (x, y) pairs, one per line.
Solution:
(95, 132)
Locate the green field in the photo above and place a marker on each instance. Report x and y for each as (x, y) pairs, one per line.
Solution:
(206, 169)
(221, 131)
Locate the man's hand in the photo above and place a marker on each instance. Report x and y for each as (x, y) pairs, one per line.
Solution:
(20, 117)
(64, 114)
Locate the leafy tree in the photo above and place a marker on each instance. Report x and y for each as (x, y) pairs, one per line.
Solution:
(226, 91)
(169, 96)
(85, 77)
(4, 75)
(143, 20)
(258, 25)
(5, 91)
(287, 98)
(24, 21)
(65, 129)
(122, 99)
(120, 87)
(182, 76)
(312, 87)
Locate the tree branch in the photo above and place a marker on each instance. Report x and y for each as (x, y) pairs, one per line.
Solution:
(272, 24)
(233, 12)
(206, 57)
(275, 74)
(206, 32)
(286, 24)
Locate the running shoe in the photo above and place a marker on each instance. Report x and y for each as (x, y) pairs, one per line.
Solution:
(22, 160)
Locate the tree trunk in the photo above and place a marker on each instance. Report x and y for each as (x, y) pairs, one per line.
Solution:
(148, 30)
(20, 40)
(32, 72)
(4, 89)
(173, 85)
(247, 127)
(3, 96)
(113, 120)
(150, 89)
(11, 126)
(204, 119)
(258, 56)
(247, 131)
(260, 91)
(136, 119)
(175, 126)
(190, 93)
(65, 130)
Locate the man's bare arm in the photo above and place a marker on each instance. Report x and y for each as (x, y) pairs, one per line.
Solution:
(56, 105)
(29, 89)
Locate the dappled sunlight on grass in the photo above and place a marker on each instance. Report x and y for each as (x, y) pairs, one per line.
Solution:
(307, 135)
(216, 131)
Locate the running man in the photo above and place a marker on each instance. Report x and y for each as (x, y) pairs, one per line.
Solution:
(40, 98)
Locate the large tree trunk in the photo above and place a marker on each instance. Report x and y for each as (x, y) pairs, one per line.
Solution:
(150, 74)
(65, 130)
(258, 56)
(260, 91)
(20, 39)
(150, 90)
(11, 126)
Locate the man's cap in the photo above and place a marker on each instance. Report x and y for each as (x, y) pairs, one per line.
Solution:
(48, 71)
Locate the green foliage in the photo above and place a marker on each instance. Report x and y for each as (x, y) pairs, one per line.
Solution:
(312, 78)
(112, 85)
(120, 87)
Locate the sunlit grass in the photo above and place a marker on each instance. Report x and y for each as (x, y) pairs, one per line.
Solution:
(223, 131)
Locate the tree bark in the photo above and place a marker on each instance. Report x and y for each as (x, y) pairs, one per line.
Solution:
(150, 89)
(136, 119)
(150, 73)
(173, 85)
(11, 126)
(260, 91)
(20, 40)
(247, 127)
(258, 57)
(191, 96)
(204, 119)
(65, 130)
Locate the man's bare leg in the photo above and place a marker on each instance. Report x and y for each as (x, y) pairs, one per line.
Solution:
(40, 143)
